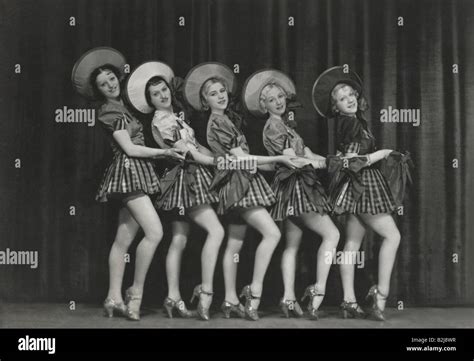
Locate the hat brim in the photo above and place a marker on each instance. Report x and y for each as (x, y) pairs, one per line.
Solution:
(136, 83)
(326, 82)
(90, 61)
(198, 75)
(257, 81)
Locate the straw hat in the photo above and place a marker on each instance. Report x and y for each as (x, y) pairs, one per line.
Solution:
(135, 87)
(90, 61)
(198, 75)
(326, 82)
(257, 81)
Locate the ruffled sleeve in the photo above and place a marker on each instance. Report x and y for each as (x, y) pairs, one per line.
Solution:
(112, 119)
(221, 137)
(349, 135)
(275, 138)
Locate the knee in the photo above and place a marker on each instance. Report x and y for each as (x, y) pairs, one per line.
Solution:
(179, 242)
(352, 244)
(217, 233)
(333, 236)
(394, 238)
(273, 234)
(154, 235)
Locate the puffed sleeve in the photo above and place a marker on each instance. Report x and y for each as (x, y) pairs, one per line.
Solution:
(349, 135)
(112, 119)
(220, 136)
(275, 138)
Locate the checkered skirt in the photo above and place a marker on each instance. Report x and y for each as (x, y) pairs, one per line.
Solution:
(258, 194)
(292, 200)
(125, 175)
(186, 191)
(376, 198)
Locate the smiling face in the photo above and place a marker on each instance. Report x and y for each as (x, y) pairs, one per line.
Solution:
(345, 99)
(160, 96)
(215, 96)
(273, 98)
(108, 84)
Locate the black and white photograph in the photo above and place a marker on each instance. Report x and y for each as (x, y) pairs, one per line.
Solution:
(223, 166)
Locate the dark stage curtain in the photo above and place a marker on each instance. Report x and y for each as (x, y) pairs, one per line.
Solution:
(407, 66)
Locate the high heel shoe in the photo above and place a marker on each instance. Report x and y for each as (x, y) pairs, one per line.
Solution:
(201, 310)
(111, 307)
(375, 310)
(290, 306)
(310, 292)
(352, 310)
(250, 311)
(169, 304)
(130, 298)
(227, 308)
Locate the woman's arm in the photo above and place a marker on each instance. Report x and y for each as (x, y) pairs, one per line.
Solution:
(197, 155)
(262, 159)
(310, 155)
(139, 151)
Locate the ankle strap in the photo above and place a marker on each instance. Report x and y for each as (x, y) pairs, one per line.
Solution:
(205, 292)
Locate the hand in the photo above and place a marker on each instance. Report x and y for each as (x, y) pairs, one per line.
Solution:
(289, 161)
(175, 153)
(301, 162)
(181, 145)
(387, 152)
(319, 164)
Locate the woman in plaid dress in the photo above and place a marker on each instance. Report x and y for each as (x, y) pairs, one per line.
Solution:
(358, 188)
(243, 192)
(129, 178)
(185, 193)
(301, 199)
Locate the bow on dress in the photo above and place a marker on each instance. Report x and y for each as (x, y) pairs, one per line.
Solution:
(396, 170)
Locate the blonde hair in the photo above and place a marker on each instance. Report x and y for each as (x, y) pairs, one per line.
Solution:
(266, 89)
(205, 89)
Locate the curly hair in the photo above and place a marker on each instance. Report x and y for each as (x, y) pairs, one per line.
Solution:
(362, 104)
(93, 77)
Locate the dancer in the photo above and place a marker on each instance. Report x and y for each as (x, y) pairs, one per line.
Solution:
(129, 178)
(361, 191)
(301, 199)
(185, 194)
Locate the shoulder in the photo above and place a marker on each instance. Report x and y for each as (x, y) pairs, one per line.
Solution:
(348, 125)
(220, 122)
(274, 127)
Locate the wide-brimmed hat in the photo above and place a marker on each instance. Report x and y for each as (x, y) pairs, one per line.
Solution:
(90, 61)
(257, 81)
(198, 75)
(136, 82)
(326, 82)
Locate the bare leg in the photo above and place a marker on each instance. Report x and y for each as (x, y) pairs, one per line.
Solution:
(293, 234)
(260, 219)
(231, 259)
(126, 231)
(205, 217)
(180, 231)
(322, 225)
(384, 225)
(145, 214)
(355, 232)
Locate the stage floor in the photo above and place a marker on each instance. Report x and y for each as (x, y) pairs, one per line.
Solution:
(54, 315)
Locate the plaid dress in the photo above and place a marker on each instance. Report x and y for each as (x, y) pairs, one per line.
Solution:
(297, 191)
(125, 174)
(376, 196)
(187, 184)
(239, 187)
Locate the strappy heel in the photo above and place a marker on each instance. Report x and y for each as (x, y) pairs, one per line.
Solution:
(113, 308)
(310, 292)
(250, 311)
(289, 307)
(130, 298)
(169, 304)
(375, 311)
(201, 310)
(352, 310)
(229, 308)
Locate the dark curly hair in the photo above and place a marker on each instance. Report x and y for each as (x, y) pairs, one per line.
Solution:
(93, 77)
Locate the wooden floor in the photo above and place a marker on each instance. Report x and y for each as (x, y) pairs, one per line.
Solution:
(49, 315)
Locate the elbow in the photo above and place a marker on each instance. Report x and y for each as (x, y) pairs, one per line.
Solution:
(130, 151)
